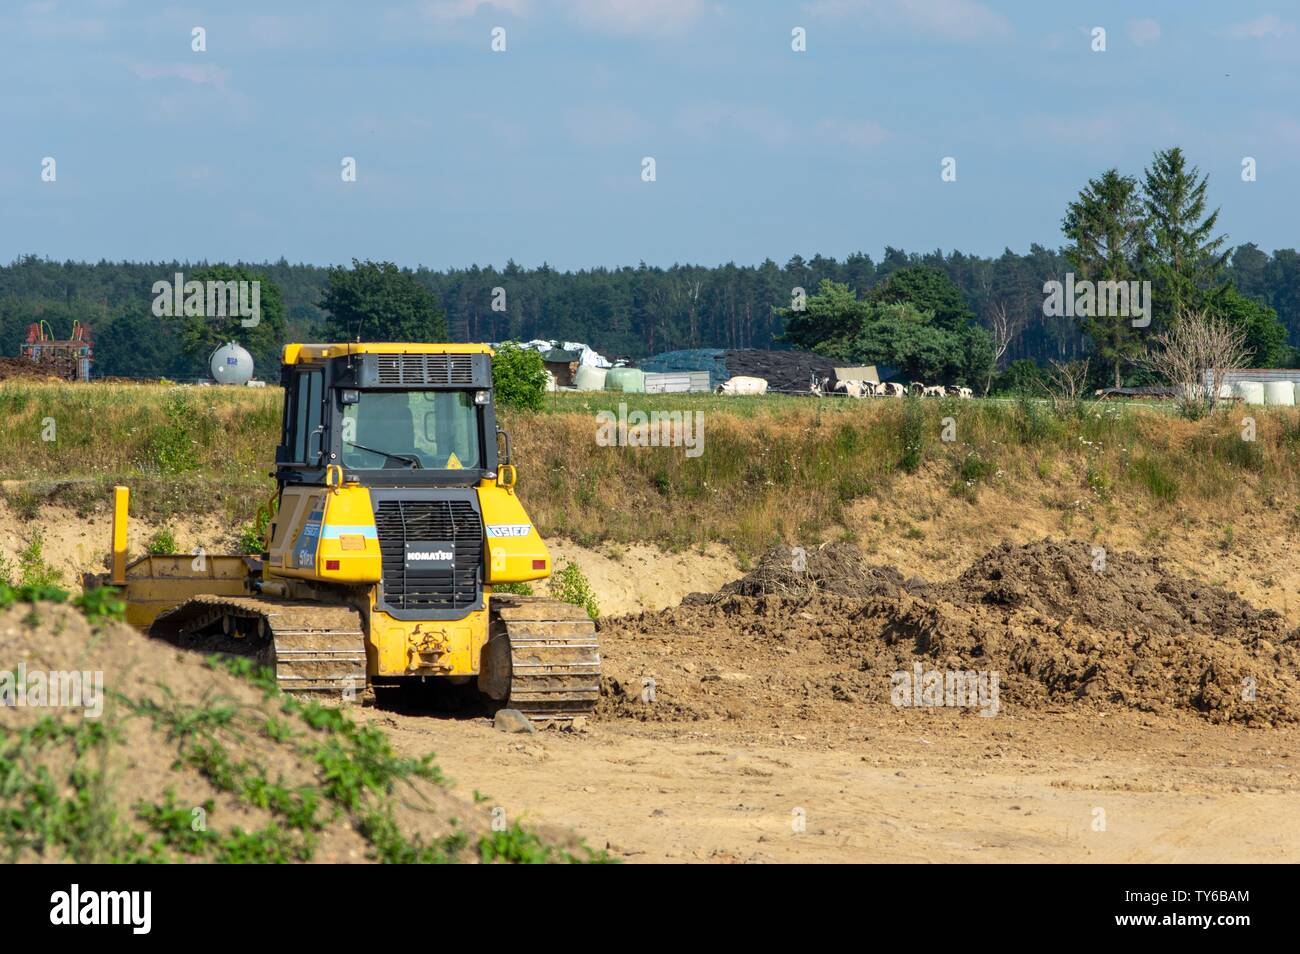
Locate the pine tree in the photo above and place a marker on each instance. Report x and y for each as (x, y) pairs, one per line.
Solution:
(1181, 255)
(1106, 228)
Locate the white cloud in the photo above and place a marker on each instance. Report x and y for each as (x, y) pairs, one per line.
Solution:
(1264, 27)
(45, 19)
(710, 120)
(1143, 32)
(636, 17)
(854, 133)
(451, 10)
(963, 21)
(605, 126)
(1103, 129)
(196, 73)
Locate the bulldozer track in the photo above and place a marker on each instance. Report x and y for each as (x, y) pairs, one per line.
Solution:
(314, 648)
(554, 656)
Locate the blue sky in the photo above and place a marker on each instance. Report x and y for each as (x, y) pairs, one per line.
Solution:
(465, 155)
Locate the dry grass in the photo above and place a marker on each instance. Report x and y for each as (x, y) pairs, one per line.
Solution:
(773, 469)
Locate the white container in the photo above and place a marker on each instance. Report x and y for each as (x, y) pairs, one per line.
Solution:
(1250, 392)
(1281, 393)
(741, 384)
(589, 378)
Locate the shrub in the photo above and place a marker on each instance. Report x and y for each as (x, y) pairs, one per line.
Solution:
(252, 535)
(33, 571)
(519, 377)
(569, 585)
(174, 447)
(518, 589)
(162, 543)
(912, 436)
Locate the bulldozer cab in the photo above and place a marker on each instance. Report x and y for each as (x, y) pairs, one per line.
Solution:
(406, 416)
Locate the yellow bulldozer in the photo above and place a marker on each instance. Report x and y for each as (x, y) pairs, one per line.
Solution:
(395, 516)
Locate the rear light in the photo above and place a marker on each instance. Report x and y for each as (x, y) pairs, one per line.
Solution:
(539, 564)
(331, 564)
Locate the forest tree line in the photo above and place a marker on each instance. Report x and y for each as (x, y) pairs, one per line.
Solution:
(638, 311)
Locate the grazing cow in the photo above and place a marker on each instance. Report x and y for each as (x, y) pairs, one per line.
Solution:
(933, 390)
(854, 389)
(816, 385)
(891, 389)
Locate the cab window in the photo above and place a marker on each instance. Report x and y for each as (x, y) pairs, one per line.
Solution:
(391, 429)
(307, 416)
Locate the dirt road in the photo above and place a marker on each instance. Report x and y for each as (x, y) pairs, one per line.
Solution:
(911, 786)
(1143, 715)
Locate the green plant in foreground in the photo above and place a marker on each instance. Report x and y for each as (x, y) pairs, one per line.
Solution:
(27, 593)
(68, 813)
(518, 845)
(100, 603)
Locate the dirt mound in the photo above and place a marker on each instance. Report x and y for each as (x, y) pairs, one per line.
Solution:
(22, 368)
(162, 756)
(831, 568)
(1052, 622)
(1121, 591)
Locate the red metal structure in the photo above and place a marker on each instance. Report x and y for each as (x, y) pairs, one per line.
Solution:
(70, 358)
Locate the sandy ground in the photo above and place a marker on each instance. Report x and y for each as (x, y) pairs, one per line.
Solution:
(626, 577)
(909, 787)
(868, 782)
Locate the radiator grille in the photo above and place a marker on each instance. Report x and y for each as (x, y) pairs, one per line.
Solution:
(432, 369)
(398, 521)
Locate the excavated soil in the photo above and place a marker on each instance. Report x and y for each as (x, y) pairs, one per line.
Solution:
(1061, 623)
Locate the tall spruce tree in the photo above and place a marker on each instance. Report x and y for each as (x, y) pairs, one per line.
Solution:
(1181, 256)
(1105, 227)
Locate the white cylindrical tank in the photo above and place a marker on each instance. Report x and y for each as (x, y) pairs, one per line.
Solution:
(1251, 392)
(1279, 392)
(231, 364)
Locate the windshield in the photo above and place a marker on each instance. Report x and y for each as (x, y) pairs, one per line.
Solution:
(438, 430)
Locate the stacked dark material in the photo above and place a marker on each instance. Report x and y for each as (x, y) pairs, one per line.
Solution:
(788, 371)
